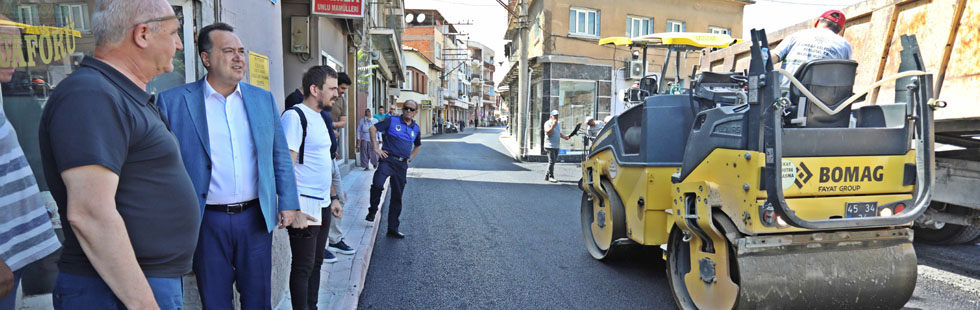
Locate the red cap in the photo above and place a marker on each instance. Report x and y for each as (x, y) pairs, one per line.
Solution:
(840, 21)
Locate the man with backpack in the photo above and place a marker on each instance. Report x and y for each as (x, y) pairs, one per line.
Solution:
(308, 138)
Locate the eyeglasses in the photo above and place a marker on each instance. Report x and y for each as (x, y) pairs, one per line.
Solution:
(161, 19)
(410, 109)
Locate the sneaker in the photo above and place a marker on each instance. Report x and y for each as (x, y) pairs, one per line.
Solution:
(341, 248)
(328, 257)
(370, 216)
(552, 180)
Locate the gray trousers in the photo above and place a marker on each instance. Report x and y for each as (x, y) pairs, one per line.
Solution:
(336, 235)
(552, 158)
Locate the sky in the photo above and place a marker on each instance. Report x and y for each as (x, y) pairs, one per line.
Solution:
(488, 19)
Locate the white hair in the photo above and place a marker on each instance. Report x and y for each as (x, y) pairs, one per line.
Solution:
(112, 19)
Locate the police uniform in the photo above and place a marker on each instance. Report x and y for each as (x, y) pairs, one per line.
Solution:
(400, 139)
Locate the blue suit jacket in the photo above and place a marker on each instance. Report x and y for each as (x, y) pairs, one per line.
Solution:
(183, 106)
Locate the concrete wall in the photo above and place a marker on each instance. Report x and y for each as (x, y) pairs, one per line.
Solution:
(243, 14)
(326, 34)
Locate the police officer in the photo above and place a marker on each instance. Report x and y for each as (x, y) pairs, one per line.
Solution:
(402, 143)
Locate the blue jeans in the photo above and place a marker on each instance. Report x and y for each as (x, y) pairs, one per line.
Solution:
(87, 292)
(9, 302)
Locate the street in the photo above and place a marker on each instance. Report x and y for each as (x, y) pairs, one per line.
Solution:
(486, 232)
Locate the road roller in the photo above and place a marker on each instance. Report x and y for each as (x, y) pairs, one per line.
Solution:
(763, 197)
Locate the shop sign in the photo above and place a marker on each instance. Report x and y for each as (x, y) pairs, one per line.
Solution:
(339, 8)
(258, 70)
(426, 104)
(23, 45)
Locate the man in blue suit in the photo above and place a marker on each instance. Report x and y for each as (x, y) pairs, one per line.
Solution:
(234, 149)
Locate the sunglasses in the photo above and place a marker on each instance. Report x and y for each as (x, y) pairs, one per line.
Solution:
(410, 109)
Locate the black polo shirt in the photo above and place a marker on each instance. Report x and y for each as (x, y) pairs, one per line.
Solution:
(97, 116)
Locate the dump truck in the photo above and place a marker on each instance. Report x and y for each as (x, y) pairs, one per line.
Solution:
(756, 211)
(946, 38)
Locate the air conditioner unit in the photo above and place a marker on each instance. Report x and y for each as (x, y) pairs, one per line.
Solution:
(636, 70)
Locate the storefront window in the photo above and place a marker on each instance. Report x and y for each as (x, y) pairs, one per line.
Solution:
(576, 101)
(42, 43)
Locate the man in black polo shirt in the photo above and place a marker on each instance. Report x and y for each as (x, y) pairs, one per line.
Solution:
(402, 142)
(115, 169)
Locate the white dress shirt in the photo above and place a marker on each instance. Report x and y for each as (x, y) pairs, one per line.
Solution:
(234, 168)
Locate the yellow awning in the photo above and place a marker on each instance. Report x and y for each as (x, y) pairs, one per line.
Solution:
(685, 39)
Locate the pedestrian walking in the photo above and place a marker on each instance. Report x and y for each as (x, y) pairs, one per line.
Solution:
(402, 142)
(307, 135)
(552, 141)
(242, 177)
(363, 143)
(114, 169)
(28, 235)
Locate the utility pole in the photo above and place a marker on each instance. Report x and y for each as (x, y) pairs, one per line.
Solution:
(522, 81)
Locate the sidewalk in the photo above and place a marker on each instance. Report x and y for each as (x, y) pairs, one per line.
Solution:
(510, 143)
(341, 282)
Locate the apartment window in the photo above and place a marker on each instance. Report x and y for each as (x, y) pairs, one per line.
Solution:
(418, 81)
(638, 26)
(676, 26)
(719, 30)
(583, 22)
(438, 50)
(68, 14)
(28, 14)
(408, 80)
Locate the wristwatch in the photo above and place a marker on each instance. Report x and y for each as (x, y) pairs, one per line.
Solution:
(334, 197)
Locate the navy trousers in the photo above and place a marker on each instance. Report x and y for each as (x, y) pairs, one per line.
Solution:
(234, 249)
(397, 171)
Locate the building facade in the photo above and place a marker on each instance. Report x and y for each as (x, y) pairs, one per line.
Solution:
(421, 78)
(482, 90)
(571, 73)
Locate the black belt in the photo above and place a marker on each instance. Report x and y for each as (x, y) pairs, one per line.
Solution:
(405, 160)
(234, 207)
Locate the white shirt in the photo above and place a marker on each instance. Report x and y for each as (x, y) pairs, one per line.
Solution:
(811, 44)
(234, 168)
(313, 176)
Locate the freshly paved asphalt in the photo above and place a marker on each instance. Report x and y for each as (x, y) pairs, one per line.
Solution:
(486, 232)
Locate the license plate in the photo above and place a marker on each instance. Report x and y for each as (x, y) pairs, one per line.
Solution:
(861, 209)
